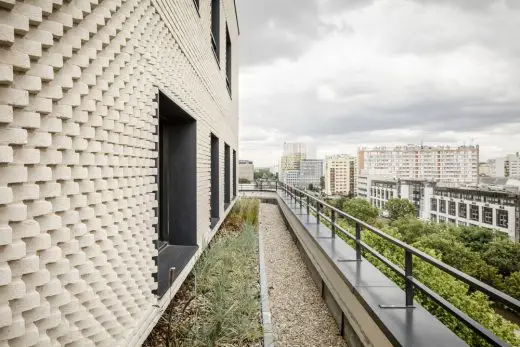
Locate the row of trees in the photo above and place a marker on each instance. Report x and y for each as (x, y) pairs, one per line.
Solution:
(484, 254)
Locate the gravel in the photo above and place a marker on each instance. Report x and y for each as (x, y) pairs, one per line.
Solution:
(299, 315)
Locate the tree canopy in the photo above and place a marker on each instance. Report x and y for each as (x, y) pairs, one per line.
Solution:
(399, 208)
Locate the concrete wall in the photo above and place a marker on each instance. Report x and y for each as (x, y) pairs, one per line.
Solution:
(77, 158)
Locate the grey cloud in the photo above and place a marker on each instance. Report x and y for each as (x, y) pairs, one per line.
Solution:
(285, 28)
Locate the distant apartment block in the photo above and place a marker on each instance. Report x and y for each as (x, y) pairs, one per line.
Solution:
(508, 166)
(341, 174)
(440, 163)
(118, 150)
(246, 170)
(494, 206)
(309, 174)
(293, 154)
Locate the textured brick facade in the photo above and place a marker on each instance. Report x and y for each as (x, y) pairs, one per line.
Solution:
(78, 158)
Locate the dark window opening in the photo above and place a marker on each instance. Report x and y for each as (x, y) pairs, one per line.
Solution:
(215, 28)
(215, 182)
(474, 212)
(487, 213)
(434, 204)
(463, 210)
(228, 61)
(177, 187)
(227, 175)
(452, 208)
(442, 206)
(502, 218)
(234, 174)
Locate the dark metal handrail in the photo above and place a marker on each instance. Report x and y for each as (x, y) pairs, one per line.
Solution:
(410, 282)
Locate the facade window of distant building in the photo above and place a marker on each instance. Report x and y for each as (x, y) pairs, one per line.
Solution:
(474, 213)
(434, 204)
(433, 217)
(487, 215)
(463, 210)
(442, 206)
(442, 219)
(452, 208)
(502, 218)
(451, 221)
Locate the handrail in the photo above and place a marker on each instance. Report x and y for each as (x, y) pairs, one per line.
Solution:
(410, 282)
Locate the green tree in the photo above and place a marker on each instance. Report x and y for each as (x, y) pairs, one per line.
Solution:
(477, 239)
(361, 209)
(505, 255)
(411, 228)
(513, 284)
(399, 208)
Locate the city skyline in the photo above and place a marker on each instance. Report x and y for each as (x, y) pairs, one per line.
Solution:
(445, 84)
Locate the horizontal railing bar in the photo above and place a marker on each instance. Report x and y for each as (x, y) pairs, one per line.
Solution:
(475, 283)
(468, 321)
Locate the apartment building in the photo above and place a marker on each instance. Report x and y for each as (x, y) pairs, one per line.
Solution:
(309, 174)
(440, 163)
(246, 170)
(488, 206)
(341, 174)
(508, 166)
(293, 154)
(118, 147)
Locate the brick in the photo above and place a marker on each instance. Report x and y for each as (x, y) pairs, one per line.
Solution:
(34, 13)
(26, 156)
(5, 274)
(12, 136)
(12, 251)
(6, 235)
(26, 191)
(6, 114)
(32, 84)
(13, 212)
(6, 35)
(25, 119)
(40, 173)
(24, 229)
(6, 317)
(14, 97)
(18, 60)
(13, 174)
(6, 156)
(6, 74)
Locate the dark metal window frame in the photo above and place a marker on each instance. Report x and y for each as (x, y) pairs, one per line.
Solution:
(474, 212)
(442, 206)
(433, 204)
(487, 215)
(502, 218)
(452, 208)
(229, 62)
(463, 210)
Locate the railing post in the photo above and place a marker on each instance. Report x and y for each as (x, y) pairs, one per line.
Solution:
(301, 202)
(408, 271)
(276, 185)
(318, 211)
(333, 222)
(358, 241)
(308, 208)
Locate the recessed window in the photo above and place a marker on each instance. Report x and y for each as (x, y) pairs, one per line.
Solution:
(442, 206)
(227, 175)
(215, 196)
(463, 210)
(234, 174)
(177, 185)
(215, 28)
(474, 212)
(487, 213)
(452, 208)
(434, 204)
(228, 60)
(502, 218)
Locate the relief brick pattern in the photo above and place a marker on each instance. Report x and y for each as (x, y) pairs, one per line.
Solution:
(78, 81)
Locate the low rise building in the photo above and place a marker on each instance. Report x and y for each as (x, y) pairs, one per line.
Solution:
(508, 166)
(246, 171)
(490, 206)
(309, 174)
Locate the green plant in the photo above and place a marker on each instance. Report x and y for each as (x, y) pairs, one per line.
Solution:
(399, 208)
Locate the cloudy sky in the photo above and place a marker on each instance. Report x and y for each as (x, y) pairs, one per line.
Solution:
(347, 73)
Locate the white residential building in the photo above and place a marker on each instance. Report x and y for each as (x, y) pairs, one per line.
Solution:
(118, 149)
(495, 207)
(309, 173)
(440, 163)
(293, 154)
(508, 166)
(340, 175)
(246, 170)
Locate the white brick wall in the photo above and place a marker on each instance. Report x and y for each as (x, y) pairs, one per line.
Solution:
(78, 80)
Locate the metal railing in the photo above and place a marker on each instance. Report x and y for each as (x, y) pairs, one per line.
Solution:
(259, 185)
(411, 284)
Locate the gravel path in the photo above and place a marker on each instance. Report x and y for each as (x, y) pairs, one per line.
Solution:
(299, 315)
